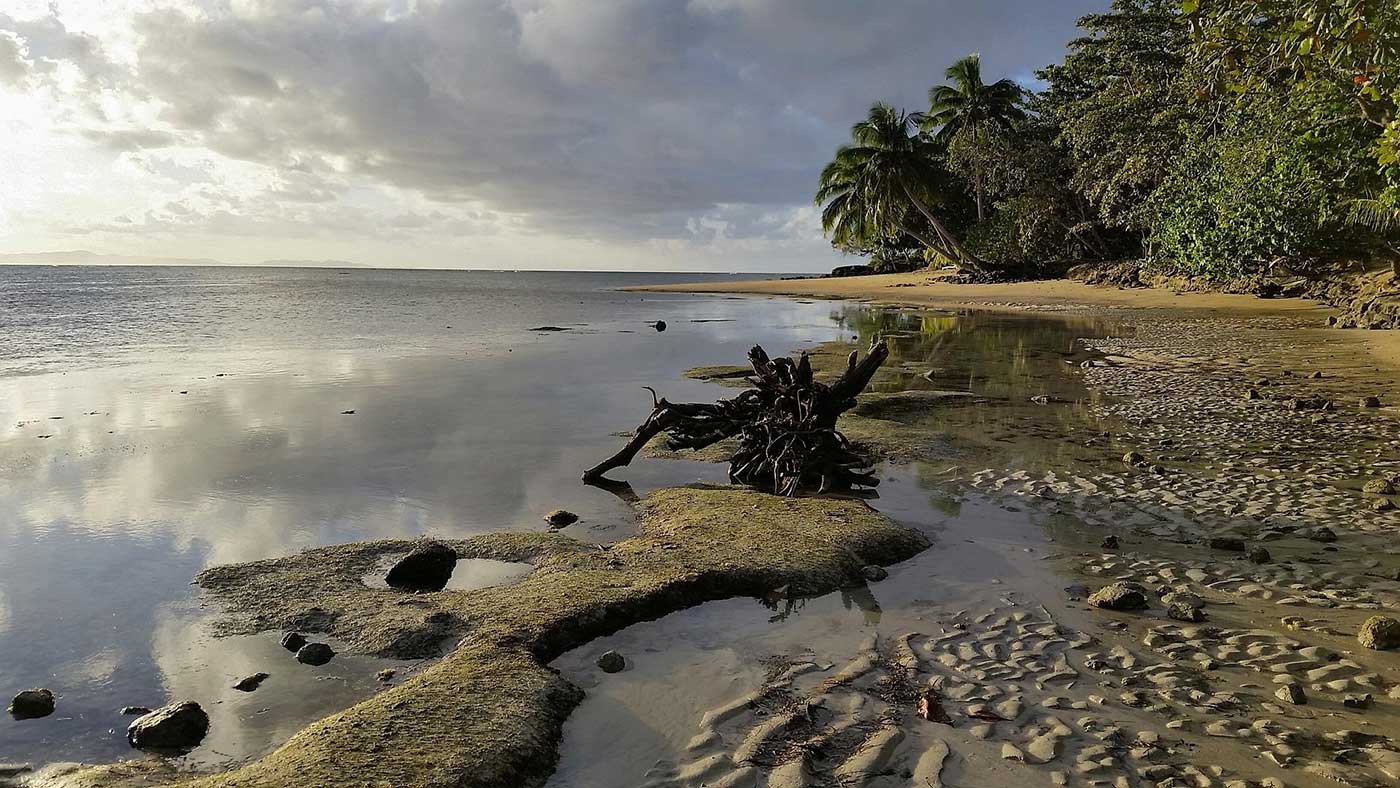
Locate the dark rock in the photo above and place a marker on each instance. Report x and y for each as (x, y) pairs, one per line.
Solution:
(1380, 633)
(1120, 596)
(549, 328)
(175, 728)
(1258, 555)
(1371, 402)
(659, 325)
(32, 704)
(1253, 394)
(1133, 458)
(427, 568)
(1292, 693)
(611, 662)
(1110, 543)
(842, 271)
(293, 641)
(874, 573)
(560, 518)
(1383, 505)
(315, 654)
(1321, 534)
(128, 711)
(251, 682)
(9, 770)
(1180, 611)
(1359, 702)
(1230, 543)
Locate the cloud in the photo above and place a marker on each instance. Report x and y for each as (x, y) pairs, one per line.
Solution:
(623, 122)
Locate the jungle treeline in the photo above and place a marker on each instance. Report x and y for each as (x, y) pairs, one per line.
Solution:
(1215, 138)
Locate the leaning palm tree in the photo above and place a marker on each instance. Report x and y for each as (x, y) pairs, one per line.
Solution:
(971, 107)
(880, 185)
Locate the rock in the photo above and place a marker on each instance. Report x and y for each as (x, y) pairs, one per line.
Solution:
(1180, 611)
(174, 728)
(8, 770)
(611, 662)
(1258, 555)
(1379, 487)
(1380, 633)
(293, 641)
(1371, 402)
(1133, 458)
(1120, 596)
(315, 654)
(128, 711)
(1230, 543)
(1359, 702)
(250, 683)
(560, 518)
(1321, 534)
(1292, 693)
(1253, 394)
(32, 704)
(1110, 543)
(1316, 375)
(386, 674)
(1184, 598)
(1383, 505)
(427, 568)
(659, 325)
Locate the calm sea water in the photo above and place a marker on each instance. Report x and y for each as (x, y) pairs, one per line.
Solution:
(156, 421)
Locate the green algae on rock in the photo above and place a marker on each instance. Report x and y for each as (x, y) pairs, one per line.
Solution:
(490, 713)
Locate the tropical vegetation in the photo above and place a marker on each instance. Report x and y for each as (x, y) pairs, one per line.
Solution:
(1216, 138)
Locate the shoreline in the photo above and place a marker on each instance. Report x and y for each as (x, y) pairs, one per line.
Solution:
(308, 746)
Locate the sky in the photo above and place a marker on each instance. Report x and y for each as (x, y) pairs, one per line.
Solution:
(552, 134)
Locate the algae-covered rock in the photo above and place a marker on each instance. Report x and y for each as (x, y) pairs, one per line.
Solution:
(32, 704)
(1380, 633)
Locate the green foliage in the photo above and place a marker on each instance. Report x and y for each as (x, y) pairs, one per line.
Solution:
(973, 117)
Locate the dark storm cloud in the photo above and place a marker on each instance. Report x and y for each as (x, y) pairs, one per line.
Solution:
(595, 117)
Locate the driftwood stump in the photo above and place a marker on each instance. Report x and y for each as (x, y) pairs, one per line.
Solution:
(786, 425)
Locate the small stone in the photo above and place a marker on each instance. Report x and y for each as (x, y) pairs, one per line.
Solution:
(659, 325)
(386, 675)
(174, 728)
(874, 573)
(1316, 375)
(1321, 534)
(1184, 598)
(1292, 693)
(1253, 394)
(1230, 543)
(1180, 611)
(1133, 458)
(610, 662)
(1110, 543)
(560, 518)
(32, 704)
(1258, 555)
(315, 654)
(293, 641)
(427, 568)
(1120, 596)
(251, 682)
(1383, 505)
(1370, 402)
(1380, 633)
(1357, 701)
(128, 711)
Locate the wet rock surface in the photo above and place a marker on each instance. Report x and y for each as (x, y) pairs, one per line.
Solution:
(169, 729)
(32, 704)
(427, 568)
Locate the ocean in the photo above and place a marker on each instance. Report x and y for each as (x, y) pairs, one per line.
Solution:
(157, 421)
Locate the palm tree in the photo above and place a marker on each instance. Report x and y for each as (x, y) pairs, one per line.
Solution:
(970, 106)
(875, 186)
